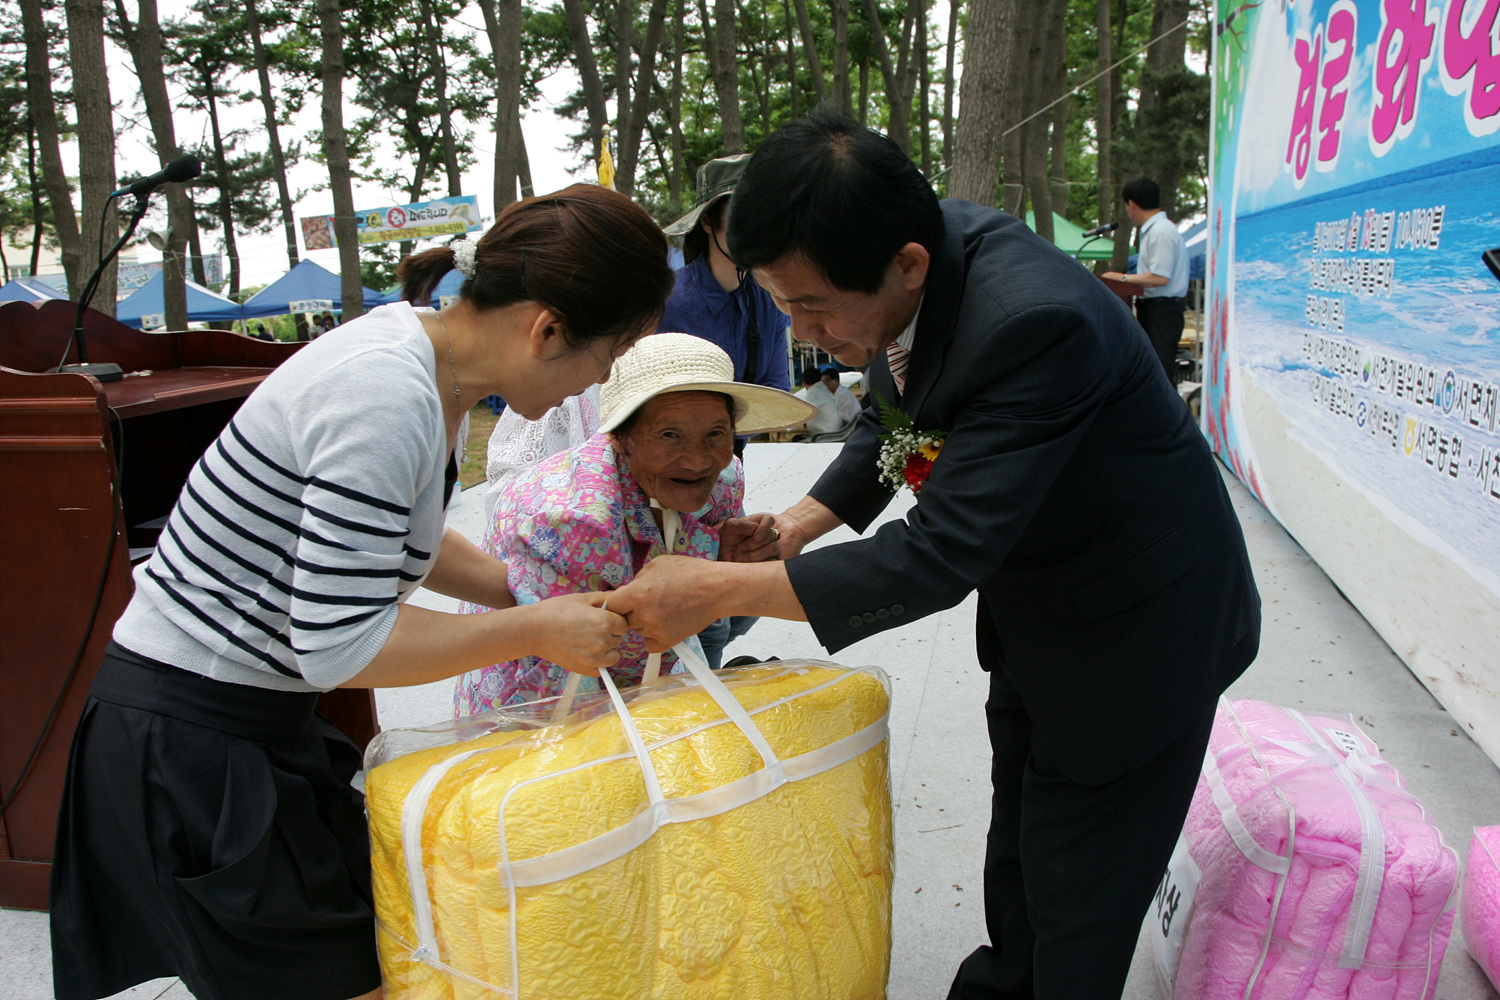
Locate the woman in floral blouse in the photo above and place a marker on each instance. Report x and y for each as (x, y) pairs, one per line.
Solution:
(660, 469)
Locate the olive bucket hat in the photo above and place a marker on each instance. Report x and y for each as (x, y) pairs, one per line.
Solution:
(716, 179)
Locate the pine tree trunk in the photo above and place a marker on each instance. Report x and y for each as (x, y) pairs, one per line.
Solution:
(791, 57)
(523, 162)
(948, 70)
(96, 139)
(414, 190)
(38, 201)
(143, 39)
(43, 108)
(864, 90)
(1059, 116)
(588, 73)
(766, 76)
(1121, 170)
(504, 29)
(727, 77)
(195, 250)
(226, 203)
(437, 62)
(895, 82)
(1163, 58)
(984, 94)
(1059, 167)
(810, 48)
(336, 152)
(924, 84)
(273, 134)
(1104, 107)
(640, 102)
(675, 179)
(1046, 43)
(840, 10)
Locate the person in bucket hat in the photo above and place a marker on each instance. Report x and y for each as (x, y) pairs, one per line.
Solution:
(658, 476)
(714, 299)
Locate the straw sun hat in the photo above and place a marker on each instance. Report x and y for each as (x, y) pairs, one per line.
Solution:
(678, 362)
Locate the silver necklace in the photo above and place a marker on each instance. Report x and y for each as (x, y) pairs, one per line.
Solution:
(452, 368)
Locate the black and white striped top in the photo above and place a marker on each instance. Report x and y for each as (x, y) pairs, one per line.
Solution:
(317, 508)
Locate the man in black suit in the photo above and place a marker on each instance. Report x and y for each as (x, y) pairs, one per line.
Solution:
(1073, 491)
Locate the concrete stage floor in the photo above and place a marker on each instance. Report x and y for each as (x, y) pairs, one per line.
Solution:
(1317, 653)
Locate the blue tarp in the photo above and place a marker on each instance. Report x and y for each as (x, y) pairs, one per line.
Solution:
(1195, 239)
(305, 282)
(29, 290)
(449, 284)
(203, 305)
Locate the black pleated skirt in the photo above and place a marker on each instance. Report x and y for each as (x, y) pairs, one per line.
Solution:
(209, 832)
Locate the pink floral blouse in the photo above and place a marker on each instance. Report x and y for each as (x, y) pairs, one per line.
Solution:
(577, 522)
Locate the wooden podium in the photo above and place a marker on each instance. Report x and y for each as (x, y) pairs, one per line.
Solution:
(1124, 290)
(87, 470)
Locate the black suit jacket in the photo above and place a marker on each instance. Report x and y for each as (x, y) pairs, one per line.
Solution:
(1073, 491)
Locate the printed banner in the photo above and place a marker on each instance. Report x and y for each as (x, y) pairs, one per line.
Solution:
(1354, 352)
(421, 220)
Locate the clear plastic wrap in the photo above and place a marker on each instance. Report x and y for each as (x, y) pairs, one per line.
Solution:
(702, 835)
(1481, 906)
(1305, 869)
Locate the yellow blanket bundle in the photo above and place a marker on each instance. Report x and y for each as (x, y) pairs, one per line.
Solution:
(732, 839)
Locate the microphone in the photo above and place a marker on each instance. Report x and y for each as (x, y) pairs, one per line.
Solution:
(184, 168)
(1100, 230)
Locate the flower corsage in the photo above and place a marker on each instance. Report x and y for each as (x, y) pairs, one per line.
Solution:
(906, 454)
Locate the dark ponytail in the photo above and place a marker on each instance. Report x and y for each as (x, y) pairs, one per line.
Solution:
(588, 254)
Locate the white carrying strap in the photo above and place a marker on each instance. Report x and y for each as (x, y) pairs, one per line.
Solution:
(413, 810)
(1221, 798)
(1238, 832)
(1371, 875)
(671, 524)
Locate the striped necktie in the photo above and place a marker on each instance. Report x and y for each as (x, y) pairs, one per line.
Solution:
(897, 356)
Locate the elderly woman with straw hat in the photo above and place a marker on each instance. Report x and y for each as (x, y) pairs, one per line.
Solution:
(658, 477)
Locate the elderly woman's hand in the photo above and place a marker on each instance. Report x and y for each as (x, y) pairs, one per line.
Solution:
(752, 538)
(576, 632)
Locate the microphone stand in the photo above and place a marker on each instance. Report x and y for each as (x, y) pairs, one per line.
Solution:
(104, 371)
(1084, 246)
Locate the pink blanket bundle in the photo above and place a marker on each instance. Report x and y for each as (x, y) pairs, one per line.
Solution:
(1305, 869)
(1482, 901)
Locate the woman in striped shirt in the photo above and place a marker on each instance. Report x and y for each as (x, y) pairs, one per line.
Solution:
(209, 830)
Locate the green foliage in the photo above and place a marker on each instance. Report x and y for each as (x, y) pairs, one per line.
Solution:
(377, 264)
(394, 85)
(891, 419)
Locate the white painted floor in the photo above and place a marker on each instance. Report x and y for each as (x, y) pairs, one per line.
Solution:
(1316, 652)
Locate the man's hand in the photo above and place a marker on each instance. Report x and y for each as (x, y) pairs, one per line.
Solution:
(671, 598)
(749, 539)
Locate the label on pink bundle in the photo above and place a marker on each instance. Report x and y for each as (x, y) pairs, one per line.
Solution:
(1345, 741)
(1171, 910)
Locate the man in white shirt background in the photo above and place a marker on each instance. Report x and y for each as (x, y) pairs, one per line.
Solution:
(815, 392)
(1162, 271)
(846, 401)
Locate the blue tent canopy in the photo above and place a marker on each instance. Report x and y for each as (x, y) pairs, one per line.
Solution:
(203, 305)
(307, 282)
(29, 290)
